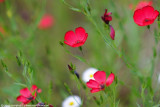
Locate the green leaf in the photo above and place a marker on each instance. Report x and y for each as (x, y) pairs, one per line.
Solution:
(18, 61)
(101, 99)
(80, 58)
(50, 90)
(75, 9)
(67, 88)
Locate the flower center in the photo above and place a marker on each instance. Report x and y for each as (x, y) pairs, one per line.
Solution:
(71, 103)
(30, 98)
(78, 41)
(102, 86)
(147, 20)
(91, 75)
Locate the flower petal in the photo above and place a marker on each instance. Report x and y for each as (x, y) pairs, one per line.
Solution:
(138, 17)
(25, 92)
(92, 84)
(85, 38)
(70, 38)
(155, 14)
(148, 11)
(39, 90)
(100, 77)
(142, 4)
(46, 21)
(95, 90)
(112, 32)
(33, 88)
(110, 79)
(23, 99)
(80, 33)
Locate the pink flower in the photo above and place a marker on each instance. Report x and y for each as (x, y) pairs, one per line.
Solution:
(142, 4)
(28, 95)
(46, 22)
(112, 32)
(107, 17)
(76, 39)
(145, 16)
(100, 81)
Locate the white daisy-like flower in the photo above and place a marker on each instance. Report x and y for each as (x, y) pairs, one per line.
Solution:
(88, 74)
(72, 101)
(158, 78)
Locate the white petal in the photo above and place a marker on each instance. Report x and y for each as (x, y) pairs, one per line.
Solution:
(86, 74)
(75, 99)
(159, 78)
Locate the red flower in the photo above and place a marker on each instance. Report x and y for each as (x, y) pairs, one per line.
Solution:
(1, 1)
(142, 4)
(28, 95)
(2, 30)
(100, 81)
(76, 39)
(106, 17)
(46, 22)
(145, 16)
(112, 32)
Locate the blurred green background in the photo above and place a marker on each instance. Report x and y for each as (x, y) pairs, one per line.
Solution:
(41, 48)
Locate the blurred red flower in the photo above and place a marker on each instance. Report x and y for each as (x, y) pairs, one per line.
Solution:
(46, 22)
(2, 31)
(145, 16)
(142, 4)
(106, 17)
(100, 81)
(112, 32)
(1, 1)
(76, 39)
(28, 95)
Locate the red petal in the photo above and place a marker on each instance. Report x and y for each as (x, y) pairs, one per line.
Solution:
(39, 90)
(112, 32)
(80, 33)
(92, 84)
(25, 92)
(139, 17)
(85, 38)
(142, 4)
(155, 14)
(1, 1)
(34, 88)
(46, 21)
(110, 79)
(148, 11)
(23, 99)
(100, 77)
(70, 38)
(95, 90)
(77, 44)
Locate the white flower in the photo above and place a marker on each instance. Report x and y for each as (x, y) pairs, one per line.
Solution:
(72, 101)
(5, 105)
(159, 78)
(88, 74)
